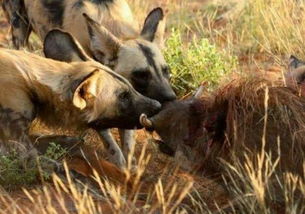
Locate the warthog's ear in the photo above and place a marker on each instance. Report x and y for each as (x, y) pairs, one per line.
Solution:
(295, 63)
(104, 45)
(62, 46)
(154, 26)
(84, 89)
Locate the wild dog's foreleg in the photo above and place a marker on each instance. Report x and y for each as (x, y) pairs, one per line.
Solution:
(114, 152)
(14, 137)
(128, 141)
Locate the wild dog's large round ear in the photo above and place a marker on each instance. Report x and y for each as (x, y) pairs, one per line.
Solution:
(83, 89)
(62, 46)
(154, 26)
(104, 45)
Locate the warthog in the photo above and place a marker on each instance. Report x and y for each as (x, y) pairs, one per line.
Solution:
(244, 116)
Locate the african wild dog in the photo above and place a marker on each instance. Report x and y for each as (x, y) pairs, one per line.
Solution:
(78, 95)
(109, 34)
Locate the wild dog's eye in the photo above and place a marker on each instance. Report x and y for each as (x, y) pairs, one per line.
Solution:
(141, 74)
(124, 96)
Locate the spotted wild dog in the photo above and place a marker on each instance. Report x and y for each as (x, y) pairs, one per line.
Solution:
(109, 34)
(78, 95)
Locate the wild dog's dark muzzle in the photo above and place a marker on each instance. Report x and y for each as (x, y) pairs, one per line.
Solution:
(156, 108)
(169, 97)
(149, 107)
(163, 95)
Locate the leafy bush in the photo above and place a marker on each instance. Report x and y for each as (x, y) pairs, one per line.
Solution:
(55, 151)
(15, 172)
(198, 61)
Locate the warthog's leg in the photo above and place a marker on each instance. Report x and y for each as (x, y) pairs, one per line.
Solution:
(114, 152)
(128, 141)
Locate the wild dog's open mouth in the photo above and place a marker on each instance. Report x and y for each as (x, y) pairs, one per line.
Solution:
(164, 148)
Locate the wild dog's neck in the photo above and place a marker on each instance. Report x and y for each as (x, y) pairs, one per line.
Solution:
(46, 83)
(55, 95)
(46, 75)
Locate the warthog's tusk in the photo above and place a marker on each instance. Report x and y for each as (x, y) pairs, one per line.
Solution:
(200, 90)
(144, 121)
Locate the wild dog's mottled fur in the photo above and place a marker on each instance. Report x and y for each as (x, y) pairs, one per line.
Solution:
(109, 34)
(13, 130)
(44, 15)
(15, 13)
(79, 95)
(68, 15)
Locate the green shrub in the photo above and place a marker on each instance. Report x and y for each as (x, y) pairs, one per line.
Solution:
(198, 61)
(15, 172)
(55, 151)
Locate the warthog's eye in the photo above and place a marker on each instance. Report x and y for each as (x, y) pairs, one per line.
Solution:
(166, 72)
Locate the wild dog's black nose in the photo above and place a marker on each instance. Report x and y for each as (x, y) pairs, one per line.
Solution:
(153, 107)
(156, 107)
(169, 97)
